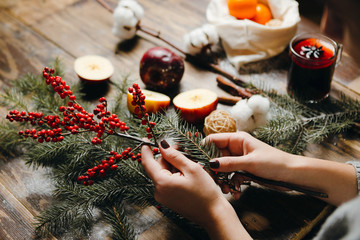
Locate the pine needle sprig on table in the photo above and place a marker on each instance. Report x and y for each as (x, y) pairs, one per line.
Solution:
(10, 141)
(294, 124)
(116, 217)
(188, 139)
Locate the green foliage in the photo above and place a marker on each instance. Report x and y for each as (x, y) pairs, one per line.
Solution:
(189, 139)
(292, 127)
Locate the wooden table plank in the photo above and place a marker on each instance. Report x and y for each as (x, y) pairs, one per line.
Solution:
(23, 51)
(15, 220)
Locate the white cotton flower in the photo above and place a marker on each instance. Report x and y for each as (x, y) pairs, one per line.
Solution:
(211, 33)
(261, 119)
(126, 16)
(259, 104)
(251, 113)
(243, 116)
(201, 37)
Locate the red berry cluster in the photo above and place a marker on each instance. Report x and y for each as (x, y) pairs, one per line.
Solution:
(194, 134)
(74, 119)
(58, 84)
(108, 123)
(33, 118)
(100, 170)
(140, 108)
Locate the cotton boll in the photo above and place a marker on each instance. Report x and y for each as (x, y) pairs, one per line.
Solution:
(134, 6)
(259, 104)
(261, 119)
(243, 116)
(126, 16)
(199, 38)
(211, 33)
(195, 41)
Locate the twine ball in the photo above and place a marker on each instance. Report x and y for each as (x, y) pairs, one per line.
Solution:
(219, 121)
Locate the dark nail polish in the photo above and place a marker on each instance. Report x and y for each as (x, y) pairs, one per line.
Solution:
(214, 163)
(164, 144)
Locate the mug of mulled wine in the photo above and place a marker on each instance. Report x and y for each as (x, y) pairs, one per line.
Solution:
(313, 60)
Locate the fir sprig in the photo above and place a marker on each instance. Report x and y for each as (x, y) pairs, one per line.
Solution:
(10, 141)
(116, 217)
(189, 139)
(294, 124)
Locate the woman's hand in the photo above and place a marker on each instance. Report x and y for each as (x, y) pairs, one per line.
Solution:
(242, 152)
(185, 187)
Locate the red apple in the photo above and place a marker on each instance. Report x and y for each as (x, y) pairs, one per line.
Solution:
(196, 104)
(93, 68)
(154, 101)
(161, 69)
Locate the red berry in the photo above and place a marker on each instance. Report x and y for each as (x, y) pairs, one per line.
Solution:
(62, 108)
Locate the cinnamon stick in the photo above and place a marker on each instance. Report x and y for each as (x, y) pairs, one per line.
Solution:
(229, 100)
(232, 88)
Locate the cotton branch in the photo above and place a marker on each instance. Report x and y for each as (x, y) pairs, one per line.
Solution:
(188, 57)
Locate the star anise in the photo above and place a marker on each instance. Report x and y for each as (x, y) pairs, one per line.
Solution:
(311, 51)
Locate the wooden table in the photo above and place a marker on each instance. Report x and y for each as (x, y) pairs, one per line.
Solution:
(33, 33)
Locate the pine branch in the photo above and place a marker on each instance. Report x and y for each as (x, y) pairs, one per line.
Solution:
(52, 155)
(295, 124)
(12, 98)
(11, 143)
(190, 140)
(116, 217)
(56, 219)
(122, 89)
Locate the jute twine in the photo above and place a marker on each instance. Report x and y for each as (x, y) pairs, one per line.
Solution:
(219, 121)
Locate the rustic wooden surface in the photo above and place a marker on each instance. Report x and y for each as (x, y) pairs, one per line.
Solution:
(33, 33)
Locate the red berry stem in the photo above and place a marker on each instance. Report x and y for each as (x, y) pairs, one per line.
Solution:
(140, 110)
(75, 120)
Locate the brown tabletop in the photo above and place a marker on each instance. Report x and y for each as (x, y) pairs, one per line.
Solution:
(33, 33)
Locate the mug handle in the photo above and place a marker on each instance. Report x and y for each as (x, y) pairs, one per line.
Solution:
(339, 53)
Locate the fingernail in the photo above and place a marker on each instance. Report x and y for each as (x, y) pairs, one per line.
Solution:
(214, 164)
(164, 144)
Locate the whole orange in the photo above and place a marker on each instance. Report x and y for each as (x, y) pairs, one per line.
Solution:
(242, 8)
(263, 14)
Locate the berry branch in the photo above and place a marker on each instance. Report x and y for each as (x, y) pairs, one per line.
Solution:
(76, 120)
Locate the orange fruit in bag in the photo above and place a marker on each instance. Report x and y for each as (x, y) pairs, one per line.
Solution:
(263, 14)
(242, 8)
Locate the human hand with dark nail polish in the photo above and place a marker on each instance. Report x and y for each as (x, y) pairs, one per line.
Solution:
(191, 192)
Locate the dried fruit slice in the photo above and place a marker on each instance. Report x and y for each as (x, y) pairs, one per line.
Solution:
(154, 101)
(196, 104)
(93, 68)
